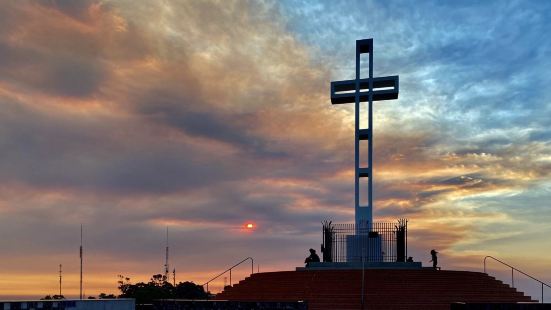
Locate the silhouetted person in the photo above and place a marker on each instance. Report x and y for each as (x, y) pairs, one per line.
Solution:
(313, 258)
(434, 259)
(410, 259)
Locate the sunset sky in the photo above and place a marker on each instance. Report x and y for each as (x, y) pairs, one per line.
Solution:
(131, 116)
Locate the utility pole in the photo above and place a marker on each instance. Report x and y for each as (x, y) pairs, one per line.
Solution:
(80, 261)
(60, 280)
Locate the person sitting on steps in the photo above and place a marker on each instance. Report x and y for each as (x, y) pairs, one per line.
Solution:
(313, 258)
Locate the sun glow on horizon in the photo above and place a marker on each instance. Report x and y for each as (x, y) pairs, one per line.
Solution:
(249, 226)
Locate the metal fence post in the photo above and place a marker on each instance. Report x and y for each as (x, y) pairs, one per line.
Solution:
(512, 278)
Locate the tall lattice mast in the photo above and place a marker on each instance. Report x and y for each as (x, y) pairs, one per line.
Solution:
(81, 253)
(60, 276)
(167, 272)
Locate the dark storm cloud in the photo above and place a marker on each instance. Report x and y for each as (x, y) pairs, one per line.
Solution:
(77, 9)
(60, 72)
(73, 77)
(191, 114)
(60, 75)
(541, 135)
(102, 155)
(464, 180)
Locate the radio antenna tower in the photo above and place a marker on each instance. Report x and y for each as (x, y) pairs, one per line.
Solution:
(80, 261)
(59, 280)
(167, 272)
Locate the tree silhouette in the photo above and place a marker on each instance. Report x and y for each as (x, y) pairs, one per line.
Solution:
(49, 297)
(159, 288)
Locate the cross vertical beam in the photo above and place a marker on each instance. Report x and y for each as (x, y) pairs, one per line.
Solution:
(364, 90)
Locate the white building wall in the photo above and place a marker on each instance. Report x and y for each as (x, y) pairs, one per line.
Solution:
(69, 304)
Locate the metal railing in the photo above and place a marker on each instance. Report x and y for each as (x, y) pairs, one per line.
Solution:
(376, 242)
(513, 269)
(229, 270)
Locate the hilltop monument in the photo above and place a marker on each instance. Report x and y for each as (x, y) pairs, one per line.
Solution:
(365, 240)
(364, 264)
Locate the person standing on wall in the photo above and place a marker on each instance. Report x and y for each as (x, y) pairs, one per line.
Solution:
(434, 259)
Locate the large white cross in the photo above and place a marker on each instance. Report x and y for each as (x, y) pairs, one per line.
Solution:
(361, 90)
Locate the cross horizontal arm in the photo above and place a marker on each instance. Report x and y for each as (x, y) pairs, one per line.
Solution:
(364, 46)
(384, 88)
